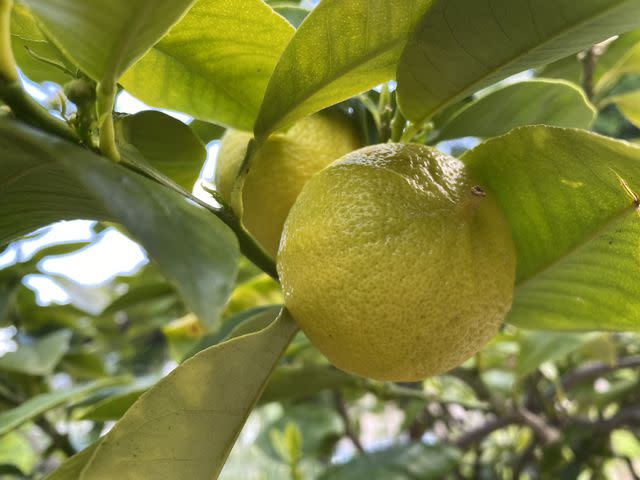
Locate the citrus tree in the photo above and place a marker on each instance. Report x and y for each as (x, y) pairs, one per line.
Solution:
(418, 256)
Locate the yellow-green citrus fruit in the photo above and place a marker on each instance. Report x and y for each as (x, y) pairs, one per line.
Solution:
(396, 264)
(280, 168)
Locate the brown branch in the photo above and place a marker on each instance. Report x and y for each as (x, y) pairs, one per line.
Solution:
(595, 370)
(477, 435)
(341, 408)
(631, 468)
(546, 433)
(625, 417)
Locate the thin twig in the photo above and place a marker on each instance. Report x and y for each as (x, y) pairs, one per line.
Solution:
(349, 431)
(631, 468)
(589, 62)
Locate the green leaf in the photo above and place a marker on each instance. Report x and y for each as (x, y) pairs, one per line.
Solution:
(293, 382)
(229, 325)
(105, 38)
(625, 444)
(169, 145)
(207, 132)
(27, 37)
(72, 468)
(320, 427)
(253, 324)
(628, 64)
(294, 14)
(36, 406)
(572, 69)
(415, 461)
(186, 425)
(38, 358)
(343, 48)
(215, 64)
(17, 451)
(551, 102)
(575, 226)
(139, 295)
(539, 347)
(629, 105)
(44, 179)
(113, 407)
(461, 46)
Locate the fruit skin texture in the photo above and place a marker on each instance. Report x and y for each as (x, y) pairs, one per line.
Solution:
(280, 169)
(394, 263)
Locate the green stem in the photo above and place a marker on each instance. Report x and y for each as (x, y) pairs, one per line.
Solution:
(248, 246)
(106, 102)
(8, 70)
(398, 123)
(22, 105)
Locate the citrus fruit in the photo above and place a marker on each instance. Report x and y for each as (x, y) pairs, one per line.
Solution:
(395, 263)
(280, 168)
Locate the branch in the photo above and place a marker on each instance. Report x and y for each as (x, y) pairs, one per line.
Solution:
(595, 370)
(520, 416)
(341, 408)
(58, 440)
(545, 432)
(470, 438)
(625, 417)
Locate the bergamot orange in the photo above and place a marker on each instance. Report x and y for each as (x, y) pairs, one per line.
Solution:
(396, 264)
(280, 168)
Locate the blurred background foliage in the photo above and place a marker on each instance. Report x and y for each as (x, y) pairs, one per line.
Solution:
(75, 355)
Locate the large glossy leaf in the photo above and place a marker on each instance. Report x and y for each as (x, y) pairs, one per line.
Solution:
(344, 47)
(166, 143)
(415, 461)
(214, 64)
(629, 105)
(44, 179)
(461, 46)
(39, 357)
(575, 224)
(186, 425)
(550, 102)
(36, 406)
(105, 38)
